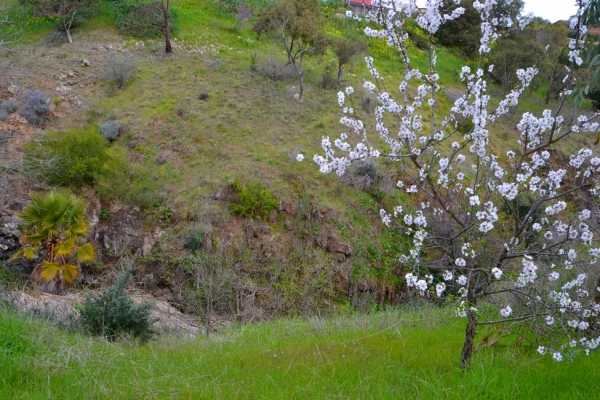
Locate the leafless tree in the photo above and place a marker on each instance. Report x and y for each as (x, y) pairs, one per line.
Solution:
(63, 13)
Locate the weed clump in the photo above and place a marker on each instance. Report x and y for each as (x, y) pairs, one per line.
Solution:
(254, 200)
(111, 129)
(114, 313)
(36, 109)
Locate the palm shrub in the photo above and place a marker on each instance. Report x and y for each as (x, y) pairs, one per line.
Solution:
(55, 229)
(113, 313)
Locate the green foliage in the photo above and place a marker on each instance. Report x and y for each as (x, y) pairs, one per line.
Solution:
(114, 313)
(464, 32)
(193, 240)
(299, 23)
(140, 18)
(397, 354)
(515, 50)
(231, 6)
(73, 158)
(64, 14)
(55, 227)
(130, 183)
(254, 200)
(104, 214)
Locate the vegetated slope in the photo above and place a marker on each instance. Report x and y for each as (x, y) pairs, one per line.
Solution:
(400, 354)
(201, 124)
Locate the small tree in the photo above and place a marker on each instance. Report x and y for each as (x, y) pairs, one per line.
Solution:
(298, 26)
(508, 237)
(515, 50)
(55, 228)
(213, 286)
(345, 51)
(65, 14)
(464, 33)
(166, 10)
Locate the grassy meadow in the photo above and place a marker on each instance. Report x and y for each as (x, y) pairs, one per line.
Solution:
(398, 354)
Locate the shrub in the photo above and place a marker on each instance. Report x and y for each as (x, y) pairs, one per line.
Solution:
(36, 109)
(9, 106)
(328, 81)
(277, 71)
(144, 20)
(118, 69)
(73, 158)
(111, 129)
(114, 313)
(193, 240)
(255, 200)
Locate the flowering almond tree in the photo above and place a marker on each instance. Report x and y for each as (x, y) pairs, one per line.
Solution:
(507, 236)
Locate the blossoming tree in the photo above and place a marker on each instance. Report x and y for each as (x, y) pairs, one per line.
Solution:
(507, 236)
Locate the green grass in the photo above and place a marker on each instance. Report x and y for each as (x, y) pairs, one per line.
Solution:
(392, 355)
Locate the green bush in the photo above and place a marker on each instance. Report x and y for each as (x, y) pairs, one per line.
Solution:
(73, 158)
(139, 18)
(193, 240)
(113, 313)
(254, 200)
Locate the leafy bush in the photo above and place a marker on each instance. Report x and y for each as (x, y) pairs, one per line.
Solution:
(111, 129)
(74, 158)
(144, 20)
(36, 109)
(193, 240)
(114, 313)
(255, 200)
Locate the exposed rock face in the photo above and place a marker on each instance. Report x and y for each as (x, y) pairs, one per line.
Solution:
(335, 246)
(124, 230)
(9, 234)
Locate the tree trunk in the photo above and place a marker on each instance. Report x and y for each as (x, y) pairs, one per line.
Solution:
(339, 76)
(301, 87)
(68, 32)
(467, 351)
(166, 13)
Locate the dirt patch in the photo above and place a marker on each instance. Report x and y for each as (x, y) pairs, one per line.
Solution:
(169, 319)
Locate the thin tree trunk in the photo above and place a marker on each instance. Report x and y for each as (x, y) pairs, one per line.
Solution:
(166, 13)
(467, 351)
(207, 319)
(68, 32)
(339, 76)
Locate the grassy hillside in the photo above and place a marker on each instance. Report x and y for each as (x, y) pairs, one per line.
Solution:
(392, 355)
(179, 155)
